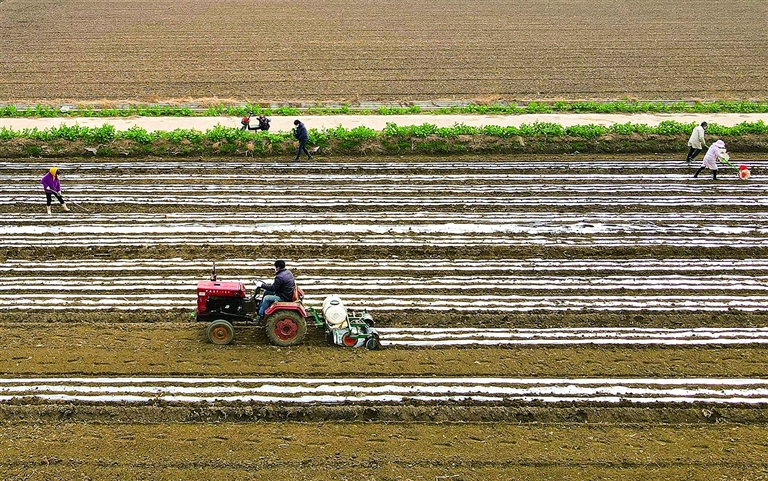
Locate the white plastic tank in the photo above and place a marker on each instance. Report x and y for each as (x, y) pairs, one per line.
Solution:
(334, 312)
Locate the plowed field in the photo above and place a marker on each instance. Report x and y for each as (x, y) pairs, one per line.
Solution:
(542, 318)
(368, 50)
(569, 318)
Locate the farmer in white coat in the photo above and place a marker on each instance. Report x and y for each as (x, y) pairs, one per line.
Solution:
(696, 142)
(715, 151)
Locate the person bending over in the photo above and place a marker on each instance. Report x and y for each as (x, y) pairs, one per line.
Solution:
(714, 153)
(52, 187)
(263, 123)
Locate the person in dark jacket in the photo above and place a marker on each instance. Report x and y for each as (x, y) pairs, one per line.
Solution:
(281, 290)
(264, 122)
(300, 132)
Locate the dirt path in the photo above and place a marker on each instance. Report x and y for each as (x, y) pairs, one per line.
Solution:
(379, 122)
(370, 450)
(180, 349)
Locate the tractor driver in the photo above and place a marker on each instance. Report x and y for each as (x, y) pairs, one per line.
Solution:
(280, 290)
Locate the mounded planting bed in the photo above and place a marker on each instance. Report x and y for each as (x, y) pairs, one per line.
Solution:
(538, 264)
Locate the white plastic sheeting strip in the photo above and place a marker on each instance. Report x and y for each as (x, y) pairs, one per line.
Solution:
(447, 239)
(467, 303)
(440, 337)
(678, 266)
(390, 284)
(309, 170)
(387, 390)
(333, 283)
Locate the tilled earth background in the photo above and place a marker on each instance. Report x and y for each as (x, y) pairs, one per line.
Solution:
(569, 317)
(566, 317)
(359, 51)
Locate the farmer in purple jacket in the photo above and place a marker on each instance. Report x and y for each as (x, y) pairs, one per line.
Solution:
(52, 186)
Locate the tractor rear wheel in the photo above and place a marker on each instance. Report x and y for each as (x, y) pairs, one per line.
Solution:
(220, 331)
(285, 328)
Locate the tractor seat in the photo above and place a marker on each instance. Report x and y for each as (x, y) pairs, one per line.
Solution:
(298, 294)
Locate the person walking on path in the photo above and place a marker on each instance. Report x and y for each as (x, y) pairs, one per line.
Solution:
(300, 132)
(710, 158)
(52, 186)
(696, 142)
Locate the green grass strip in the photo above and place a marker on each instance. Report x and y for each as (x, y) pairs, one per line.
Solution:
(616, 107)
(357, 135)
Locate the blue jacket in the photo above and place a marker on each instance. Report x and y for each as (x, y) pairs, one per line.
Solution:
(283, 285)
(301, 132)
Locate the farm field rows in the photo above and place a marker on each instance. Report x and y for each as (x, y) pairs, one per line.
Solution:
(352, 51)
(564, 317)
(599, 306)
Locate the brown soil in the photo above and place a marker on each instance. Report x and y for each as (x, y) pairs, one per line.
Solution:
(180, 349)
(383, 451)
(459, 440)
(151, 51)
(352, 51)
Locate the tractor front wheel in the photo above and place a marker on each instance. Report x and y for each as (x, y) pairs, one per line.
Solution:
(285, 328)
(220, 331)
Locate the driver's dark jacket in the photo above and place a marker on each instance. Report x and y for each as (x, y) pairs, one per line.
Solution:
(283, 285)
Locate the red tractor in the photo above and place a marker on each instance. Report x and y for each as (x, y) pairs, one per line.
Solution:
(222, 304)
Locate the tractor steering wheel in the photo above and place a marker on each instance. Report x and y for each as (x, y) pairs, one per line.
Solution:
(256, 292)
